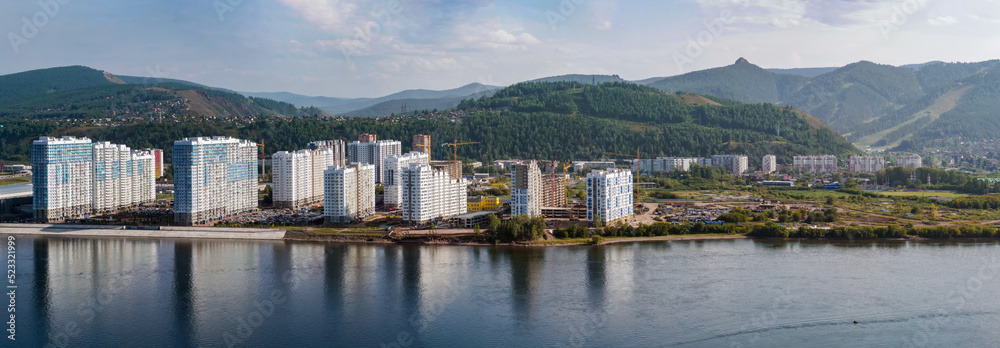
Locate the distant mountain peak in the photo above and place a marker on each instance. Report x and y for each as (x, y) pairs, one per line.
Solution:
(742, 61)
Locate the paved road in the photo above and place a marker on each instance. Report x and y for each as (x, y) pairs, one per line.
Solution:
(12, 191)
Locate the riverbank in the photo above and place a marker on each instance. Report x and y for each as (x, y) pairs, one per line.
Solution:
(442, 238)
(143, 232)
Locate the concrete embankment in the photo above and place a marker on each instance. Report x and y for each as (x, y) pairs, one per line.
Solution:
(142, 231)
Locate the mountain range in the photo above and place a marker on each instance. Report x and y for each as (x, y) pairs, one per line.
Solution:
(870, 104)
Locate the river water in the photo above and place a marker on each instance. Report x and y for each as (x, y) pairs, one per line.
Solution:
(97, 292)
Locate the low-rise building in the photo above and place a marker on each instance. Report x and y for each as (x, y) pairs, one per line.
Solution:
(503, 164)
(581, 165)
(481, 203)
(471, 219)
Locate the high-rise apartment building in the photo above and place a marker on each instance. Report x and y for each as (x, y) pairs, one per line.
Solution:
(214, 178)
(63, 178)
(865, 164)
(554, 190)
(373, 152)
(609, 195)
(430, 194)
(157, 161)
(75, 177)
(337, 154)
(736, 164)
(292, 178)
(366, 138)
(122, 177)
(143, 176)
(108, 179)
(526, 189)
(453, 168)
(394, 173)
(349, 193)
(815, 164)
(911, 161)
(422, 143)
(769, 164)
(298, 176)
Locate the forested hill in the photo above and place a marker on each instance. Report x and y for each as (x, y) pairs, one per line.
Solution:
(871, 104)
(574, 120)
(565, 120)
(40, 82)
(120, 102)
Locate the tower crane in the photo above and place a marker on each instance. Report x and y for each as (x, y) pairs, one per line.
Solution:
(455, 146)
(427, 146)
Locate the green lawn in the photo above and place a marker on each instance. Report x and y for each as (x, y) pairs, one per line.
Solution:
(942, 194)
(15, 181)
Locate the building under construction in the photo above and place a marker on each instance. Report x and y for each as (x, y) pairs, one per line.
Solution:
(554, 190)
(453, 168)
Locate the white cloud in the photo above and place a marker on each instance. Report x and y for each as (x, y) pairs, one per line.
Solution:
(601, 11)
(796, 59)
(331, 16)
(943, 20)
(491, 35)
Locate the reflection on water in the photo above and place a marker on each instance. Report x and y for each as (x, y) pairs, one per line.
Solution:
(147, 292)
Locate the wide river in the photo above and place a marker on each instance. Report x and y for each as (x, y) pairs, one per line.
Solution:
(726, 293)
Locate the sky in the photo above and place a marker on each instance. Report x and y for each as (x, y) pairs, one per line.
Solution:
(370, 48)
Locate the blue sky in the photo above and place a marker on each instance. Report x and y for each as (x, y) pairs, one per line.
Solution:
(313, 47)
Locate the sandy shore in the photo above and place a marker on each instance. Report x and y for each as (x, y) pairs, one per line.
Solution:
(151, 232)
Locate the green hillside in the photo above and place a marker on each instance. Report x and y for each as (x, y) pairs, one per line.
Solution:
(857, 93)
(741, 81)
(531, 120)
(144, 101)
(975, 116)
(46, 81)
(871, 104)
(619, 117)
